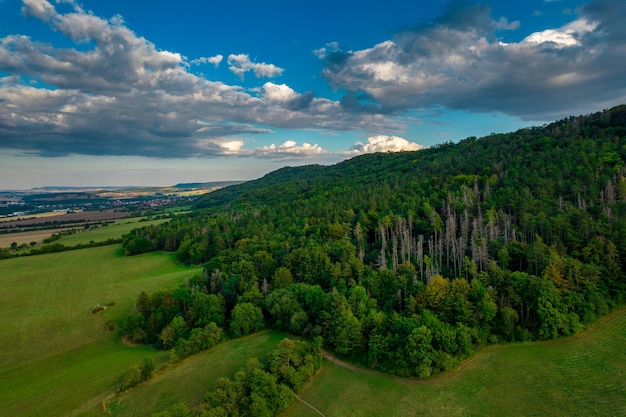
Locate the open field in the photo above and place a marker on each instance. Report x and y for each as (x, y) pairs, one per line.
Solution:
(111, 231)
(27, 237)
(190, 380)
(56, 355)
(45, 215)
(97, 234)
(577, 376)
(59, 359)
(80, 216)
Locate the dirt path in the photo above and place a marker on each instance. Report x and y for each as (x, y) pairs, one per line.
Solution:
(309, 405)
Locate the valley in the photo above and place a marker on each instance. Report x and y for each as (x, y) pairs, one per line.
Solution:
(484, 277)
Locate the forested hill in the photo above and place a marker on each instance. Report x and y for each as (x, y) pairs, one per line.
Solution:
(554, 151)
(410, 261)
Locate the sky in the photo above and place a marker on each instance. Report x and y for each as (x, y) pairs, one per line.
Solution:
(155, 93)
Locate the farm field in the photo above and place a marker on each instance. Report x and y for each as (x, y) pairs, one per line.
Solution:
(56, 355)
(33, 216)
(80, 216)
(96, 234)
(577, 376)
(36, 236)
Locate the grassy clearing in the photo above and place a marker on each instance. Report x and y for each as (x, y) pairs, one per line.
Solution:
(190, 380)
(579, 376)
(56, 354)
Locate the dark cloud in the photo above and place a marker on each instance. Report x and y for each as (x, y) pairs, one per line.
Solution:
(301, 102)
(458, 62)
(362, 103)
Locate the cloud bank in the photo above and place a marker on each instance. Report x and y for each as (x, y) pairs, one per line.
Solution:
(289, 150)
(384, 143)
(113, 92)
(116, 93)
(458, 62)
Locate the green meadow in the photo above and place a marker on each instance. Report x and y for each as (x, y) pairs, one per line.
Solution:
(60, 359)
(110, 231)
(191, 379)
(583, 375)
(56, 355)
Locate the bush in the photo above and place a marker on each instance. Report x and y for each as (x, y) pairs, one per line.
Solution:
(137, 374)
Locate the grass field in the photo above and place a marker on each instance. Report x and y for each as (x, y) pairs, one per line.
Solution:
(111, 231)
(56, 355)
(190, 380)
(583, 375)
(59, 359)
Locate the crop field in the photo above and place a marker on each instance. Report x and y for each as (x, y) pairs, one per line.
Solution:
(96, 234)
(80, 216)
(36, 236)
(32, 216)
(577, 376)
(56, 355)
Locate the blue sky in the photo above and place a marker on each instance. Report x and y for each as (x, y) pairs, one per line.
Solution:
(161, 92)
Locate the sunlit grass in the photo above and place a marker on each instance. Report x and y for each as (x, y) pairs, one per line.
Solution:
(579, 376)
(111, 231)
(190, 380)
(55, 353)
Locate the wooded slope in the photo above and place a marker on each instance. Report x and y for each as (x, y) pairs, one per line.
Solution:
(410, 261)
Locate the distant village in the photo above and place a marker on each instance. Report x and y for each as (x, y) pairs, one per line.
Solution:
(19, 207)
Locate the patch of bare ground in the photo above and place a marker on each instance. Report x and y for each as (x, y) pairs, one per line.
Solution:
(98, 308)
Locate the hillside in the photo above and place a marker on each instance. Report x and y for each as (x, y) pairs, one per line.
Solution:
(525, 150)
(409, 262)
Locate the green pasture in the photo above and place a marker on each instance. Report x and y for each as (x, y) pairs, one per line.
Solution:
(56, 355)
(583, 375)
(110, 231)
(190, 380)
(59, 359)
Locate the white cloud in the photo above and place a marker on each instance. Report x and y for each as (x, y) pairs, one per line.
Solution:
(384, 143)
(118, 94)
(504, 24)
(330, 48)
(289, 150)
(213, 60)
(278, 92)
(225, 147)
(241, 63)
(40, 9)
(458, 62)
(568, 35)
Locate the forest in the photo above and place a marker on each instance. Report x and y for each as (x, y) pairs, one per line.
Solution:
(408, 262)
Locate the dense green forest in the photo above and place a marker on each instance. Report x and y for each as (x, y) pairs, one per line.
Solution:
(407, 262)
